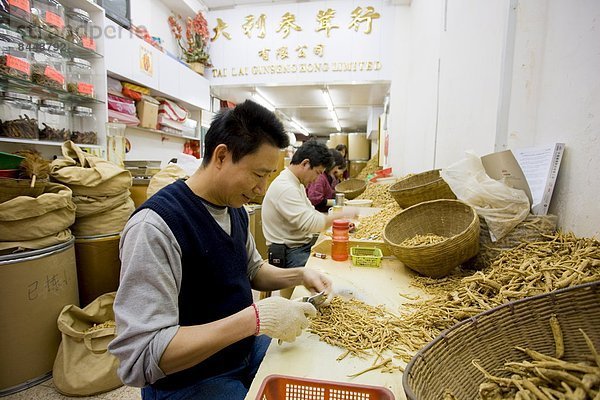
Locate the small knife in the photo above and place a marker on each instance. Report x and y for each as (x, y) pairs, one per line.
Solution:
(316, 300)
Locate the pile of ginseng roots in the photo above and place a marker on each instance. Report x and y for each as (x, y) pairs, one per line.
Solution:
(543, 376)
(391, 339)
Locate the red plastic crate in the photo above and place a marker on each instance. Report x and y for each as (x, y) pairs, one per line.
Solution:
(382, 173)
(281, 387)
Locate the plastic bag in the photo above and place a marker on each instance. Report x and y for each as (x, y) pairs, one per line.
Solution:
(501, 206)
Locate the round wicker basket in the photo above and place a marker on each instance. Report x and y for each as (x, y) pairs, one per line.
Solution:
(421, 187)
(454, 220)
(445, 363)
(351, 188)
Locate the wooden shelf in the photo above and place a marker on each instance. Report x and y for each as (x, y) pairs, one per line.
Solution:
(45, 142)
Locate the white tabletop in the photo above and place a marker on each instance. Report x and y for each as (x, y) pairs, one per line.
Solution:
(310, 358)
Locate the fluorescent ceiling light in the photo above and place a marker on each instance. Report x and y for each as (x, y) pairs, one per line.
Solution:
(327, 98)
(335, 119)
(292, 137)
(337, 125)
(260, 99)
(299, 127)
(333, 115)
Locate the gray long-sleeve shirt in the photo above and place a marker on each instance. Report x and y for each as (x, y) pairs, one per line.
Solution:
(146, 305)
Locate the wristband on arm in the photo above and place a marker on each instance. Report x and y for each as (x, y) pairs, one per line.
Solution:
(257, 330)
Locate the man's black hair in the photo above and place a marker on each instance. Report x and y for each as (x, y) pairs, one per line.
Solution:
(244, 129)
(317, 154)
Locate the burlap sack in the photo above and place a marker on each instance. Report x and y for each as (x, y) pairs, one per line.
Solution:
(105, 223)
(164, 177)
(11, 188)
(90, 205)
(83, 365)
(41, 243)
(88, 175)
(29, 218)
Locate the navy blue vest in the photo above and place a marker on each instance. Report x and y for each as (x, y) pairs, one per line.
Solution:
(214, 281)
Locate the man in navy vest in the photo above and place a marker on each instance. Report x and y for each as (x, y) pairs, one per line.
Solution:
(187, 326)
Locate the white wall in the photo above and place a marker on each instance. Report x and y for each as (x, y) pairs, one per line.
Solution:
(471, 66)
(148, 146)
(153, 15)
(446, 100)
(413, 91)
(556, 98)
(508, 77)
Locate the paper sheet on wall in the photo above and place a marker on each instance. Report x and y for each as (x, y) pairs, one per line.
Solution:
(540, 166)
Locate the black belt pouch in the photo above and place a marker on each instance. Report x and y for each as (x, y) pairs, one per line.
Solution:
(277, 255)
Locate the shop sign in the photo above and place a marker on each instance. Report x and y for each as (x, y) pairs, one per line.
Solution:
(301, 42)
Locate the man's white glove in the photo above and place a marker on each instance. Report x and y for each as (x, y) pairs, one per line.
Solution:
(283, 319)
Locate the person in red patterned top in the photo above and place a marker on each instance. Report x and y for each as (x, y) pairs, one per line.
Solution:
(321, 192)
(343, 149)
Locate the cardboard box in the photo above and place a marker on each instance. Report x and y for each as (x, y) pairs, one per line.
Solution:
(147, 113)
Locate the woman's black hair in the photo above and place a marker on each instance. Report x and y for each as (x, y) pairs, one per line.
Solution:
(338, 160)
(342, 147)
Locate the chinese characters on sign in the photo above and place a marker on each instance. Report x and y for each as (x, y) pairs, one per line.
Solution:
(220, 29)
(324, 20)
(324, 23)
(282, 53)
(258, 24)
(288, 22)
(314, 28)
(358, 17)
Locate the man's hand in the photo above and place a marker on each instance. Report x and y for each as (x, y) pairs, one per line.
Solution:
(348, 212)
(316, 282)
(283, 319)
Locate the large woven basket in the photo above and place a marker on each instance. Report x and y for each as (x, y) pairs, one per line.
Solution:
(491, 337)
(451, 219)
(351, 188)
(421, 187)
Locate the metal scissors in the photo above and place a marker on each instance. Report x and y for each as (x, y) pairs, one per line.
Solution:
(316, 300)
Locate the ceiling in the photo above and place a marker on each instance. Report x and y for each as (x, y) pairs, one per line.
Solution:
(306, 104)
